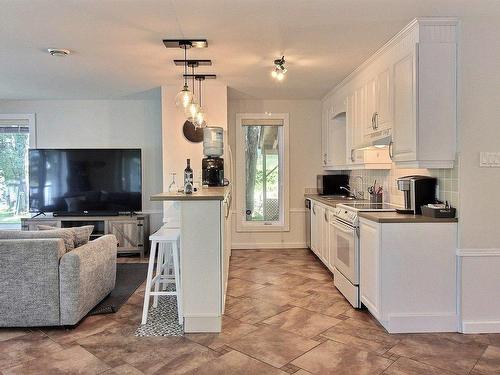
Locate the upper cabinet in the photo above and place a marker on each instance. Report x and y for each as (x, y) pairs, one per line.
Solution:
(405, 93)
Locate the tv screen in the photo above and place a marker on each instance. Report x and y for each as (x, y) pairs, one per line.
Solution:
(85, 181)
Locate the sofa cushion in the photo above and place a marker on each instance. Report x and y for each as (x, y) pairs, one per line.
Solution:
(66, 235)
(81, 234)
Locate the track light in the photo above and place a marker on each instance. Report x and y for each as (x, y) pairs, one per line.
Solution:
(279, 69)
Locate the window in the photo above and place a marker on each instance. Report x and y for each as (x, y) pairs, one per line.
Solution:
(262, 172)
(17, 135)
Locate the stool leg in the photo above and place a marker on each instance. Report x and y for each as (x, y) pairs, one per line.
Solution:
(168, 265)
(147, 292)
(178, 286)
(159, 266)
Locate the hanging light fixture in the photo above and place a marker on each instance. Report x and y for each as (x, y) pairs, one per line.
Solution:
(279, 69)
(185, 96)
(193, 107)
(200, 120)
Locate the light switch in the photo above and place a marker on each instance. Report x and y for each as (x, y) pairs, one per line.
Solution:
(489, 159)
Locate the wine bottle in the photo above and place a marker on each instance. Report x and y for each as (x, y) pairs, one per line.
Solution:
(188, 178)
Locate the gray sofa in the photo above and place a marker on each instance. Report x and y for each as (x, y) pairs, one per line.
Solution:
(43, 285)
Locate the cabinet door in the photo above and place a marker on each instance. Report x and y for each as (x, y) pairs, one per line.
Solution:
(404, 129)
(370, 110)
(319, 231)
(369, 283)
(325, 236)
(331, 245)
(128, 234)
(325, 130)
(383, 108)
(314, 227)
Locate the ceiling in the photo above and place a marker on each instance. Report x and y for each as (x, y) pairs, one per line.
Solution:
(118, 51)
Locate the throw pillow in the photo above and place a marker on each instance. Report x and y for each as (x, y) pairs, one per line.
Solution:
(81, 235)
(65, 234)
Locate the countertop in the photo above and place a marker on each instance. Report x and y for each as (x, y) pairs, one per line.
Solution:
(204, 194)
(331, 202)
(394, 217)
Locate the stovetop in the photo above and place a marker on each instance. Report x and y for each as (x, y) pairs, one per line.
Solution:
(363, 206)
(348, 212)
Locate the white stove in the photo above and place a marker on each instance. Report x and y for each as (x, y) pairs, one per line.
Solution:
(348, 212)
(344, 238)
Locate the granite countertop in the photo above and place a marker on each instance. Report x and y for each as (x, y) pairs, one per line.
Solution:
(203, 194)
(394, 217)
(331, 202)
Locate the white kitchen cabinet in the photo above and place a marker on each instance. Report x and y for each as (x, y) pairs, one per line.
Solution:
(320, 233)
(331, 244)
(407, 89)
(408, 275)
(424, 134)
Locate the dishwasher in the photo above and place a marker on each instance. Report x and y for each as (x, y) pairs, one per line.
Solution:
(308, 223)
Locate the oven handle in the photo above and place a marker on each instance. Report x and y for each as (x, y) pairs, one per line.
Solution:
(343, 228)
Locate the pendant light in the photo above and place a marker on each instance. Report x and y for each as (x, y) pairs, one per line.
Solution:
(200, 120)
(185, 96)
(193, 107)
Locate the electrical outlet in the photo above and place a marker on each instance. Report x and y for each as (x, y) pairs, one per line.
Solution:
(489, 159)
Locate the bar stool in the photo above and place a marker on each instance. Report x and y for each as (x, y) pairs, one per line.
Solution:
(167, 259)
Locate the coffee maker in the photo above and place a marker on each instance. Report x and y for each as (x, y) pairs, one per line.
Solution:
(418, 191)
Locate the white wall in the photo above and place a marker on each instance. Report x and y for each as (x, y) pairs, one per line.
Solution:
(102, 123)
(479, 130)
(176, 148)
(305, 164)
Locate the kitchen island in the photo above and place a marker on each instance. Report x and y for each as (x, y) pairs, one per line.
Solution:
(204, 222)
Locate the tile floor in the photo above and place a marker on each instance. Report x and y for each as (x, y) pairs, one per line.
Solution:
(283, 315)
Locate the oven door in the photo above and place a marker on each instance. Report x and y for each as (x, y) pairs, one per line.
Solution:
(345, 243)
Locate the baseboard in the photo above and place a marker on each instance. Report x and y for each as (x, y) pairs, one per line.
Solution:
(202, 324)
(268, 245)
(419, 323)
(486, 326)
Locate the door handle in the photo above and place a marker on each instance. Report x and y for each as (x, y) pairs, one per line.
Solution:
(391, 153)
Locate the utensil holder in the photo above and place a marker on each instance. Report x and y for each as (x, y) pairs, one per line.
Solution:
(376, 198)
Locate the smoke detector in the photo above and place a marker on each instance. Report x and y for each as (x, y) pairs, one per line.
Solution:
(58, 52)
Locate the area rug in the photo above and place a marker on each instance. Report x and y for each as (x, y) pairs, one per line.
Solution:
(162, 320)
(129, 276)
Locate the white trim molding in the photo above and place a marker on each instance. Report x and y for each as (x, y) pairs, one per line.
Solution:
(269, 246)
(478, 252)
(283, 225)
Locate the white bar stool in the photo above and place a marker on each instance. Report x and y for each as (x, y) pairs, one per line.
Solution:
(167, 259)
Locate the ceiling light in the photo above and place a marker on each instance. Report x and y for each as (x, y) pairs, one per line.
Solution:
(58, 52)
(279, 69)
(200, 118)
(193, 107)
(184, 97)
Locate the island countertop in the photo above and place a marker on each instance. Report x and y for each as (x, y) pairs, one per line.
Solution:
(203, 194)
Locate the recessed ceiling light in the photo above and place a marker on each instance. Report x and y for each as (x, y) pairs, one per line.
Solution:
(58, 52)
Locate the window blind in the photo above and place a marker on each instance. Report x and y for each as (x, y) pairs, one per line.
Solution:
(262, 122)
(14, 126)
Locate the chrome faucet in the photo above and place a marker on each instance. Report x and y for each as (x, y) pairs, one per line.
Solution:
(355, 193)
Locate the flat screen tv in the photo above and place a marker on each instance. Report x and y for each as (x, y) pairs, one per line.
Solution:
(85, 181)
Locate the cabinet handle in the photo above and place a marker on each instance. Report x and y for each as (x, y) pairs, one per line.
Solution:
(352, 155)
(391, 154)
(375, 120)
(326, 216)
(314, 209)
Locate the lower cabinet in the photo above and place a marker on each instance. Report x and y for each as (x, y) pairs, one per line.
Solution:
(320, 232)
(408, 275)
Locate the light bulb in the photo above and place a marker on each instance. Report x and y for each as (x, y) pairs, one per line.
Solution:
(184, 97)
(274, 73)
(280, 76)
(191, 110)
(200, 120)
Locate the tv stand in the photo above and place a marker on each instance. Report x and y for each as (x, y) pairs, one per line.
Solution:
(131, 231)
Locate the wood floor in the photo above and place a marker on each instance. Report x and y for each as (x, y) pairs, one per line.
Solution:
(283, 315)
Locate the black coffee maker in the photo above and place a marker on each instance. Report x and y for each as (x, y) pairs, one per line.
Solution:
(418, 191)
(212, 171)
